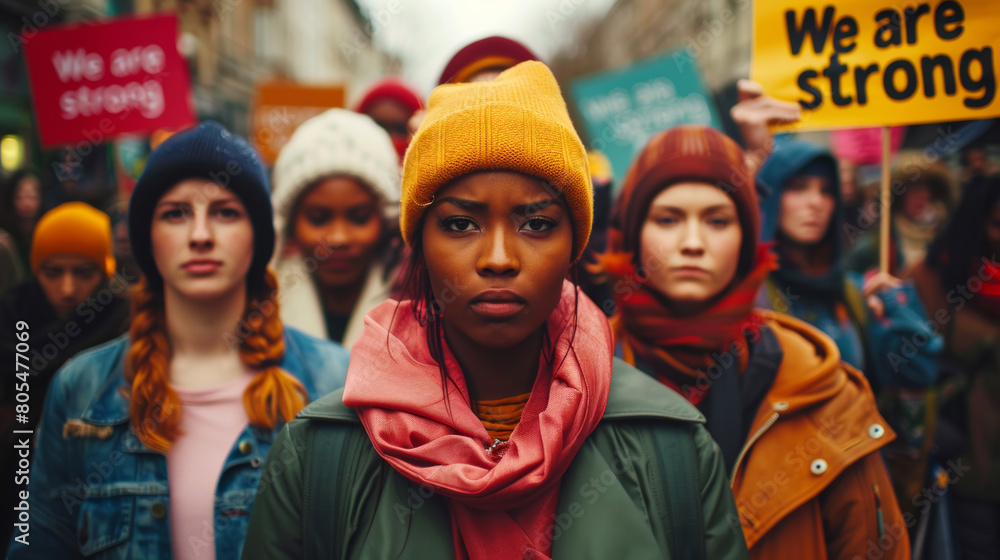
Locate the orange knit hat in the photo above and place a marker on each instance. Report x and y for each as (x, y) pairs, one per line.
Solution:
(517, 122)
(74, 228)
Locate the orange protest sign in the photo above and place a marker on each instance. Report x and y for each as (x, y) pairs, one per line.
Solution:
(280, 107)
(860, 63)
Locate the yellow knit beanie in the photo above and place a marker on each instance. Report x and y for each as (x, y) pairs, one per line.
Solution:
(517, 122)
(74, 228)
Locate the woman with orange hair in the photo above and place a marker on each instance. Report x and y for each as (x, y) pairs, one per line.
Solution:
(151, 446)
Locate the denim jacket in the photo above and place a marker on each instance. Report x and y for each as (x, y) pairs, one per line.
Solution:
(105, 494)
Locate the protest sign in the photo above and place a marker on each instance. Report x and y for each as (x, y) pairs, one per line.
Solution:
(857, 63)
(91, 82)
(623, 109)
(280, 107)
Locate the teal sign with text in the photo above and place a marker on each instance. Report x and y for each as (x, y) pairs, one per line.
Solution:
(624, 108)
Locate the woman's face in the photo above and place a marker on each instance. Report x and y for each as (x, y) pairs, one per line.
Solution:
(806, 209)
(28, 198)
(67, 280)
(915, 200)
(690, 242)
(339, 224)
(497, 246)
(202, 240)
(392, 116)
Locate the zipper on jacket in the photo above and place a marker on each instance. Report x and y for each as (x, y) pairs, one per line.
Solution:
(760, 431)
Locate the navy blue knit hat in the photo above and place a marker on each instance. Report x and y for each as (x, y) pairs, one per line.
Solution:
(211, 152)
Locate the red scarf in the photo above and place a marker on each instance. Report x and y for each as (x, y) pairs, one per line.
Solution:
(502, 505)
(988, 299)
(677, 349)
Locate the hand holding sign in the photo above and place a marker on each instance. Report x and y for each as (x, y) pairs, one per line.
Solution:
(755, 114)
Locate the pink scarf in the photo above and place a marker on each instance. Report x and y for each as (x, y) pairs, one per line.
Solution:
(502, 504)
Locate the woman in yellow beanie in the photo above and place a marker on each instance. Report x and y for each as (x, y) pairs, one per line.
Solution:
(480, 418)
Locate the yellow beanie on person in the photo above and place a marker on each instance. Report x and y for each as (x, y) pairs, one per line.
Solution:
(74, 228)
(517, 122)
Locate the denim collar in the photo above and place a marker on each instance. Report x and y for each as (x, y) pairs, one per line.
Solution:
(110, 407)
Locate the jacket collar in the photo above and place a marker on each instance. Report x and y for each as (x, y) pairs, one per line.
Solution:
(633, 395)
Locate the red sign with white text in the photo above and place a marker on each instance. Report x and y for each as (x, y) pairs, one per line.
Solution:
(92, 82)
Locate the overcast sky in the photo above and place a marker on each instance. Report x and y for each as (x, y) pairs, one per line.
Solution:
(425, 34)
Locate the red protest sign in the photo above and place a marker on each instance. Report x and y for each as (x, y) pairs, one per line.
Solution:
(92, 82)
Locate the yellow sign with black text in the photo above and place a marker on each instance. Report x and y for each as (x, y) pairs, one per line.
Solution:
(858, 63)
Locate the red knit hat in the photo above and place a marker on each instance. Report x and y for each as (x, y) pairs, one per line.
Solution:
(390, 88)
(485, 53)
(688, 153)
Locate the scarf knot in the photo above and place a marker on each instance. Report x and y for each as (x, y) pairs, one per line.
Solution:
(502, 497)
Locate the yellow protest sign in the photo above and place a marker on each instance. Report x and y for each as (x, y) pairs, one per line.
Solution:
(862, 63)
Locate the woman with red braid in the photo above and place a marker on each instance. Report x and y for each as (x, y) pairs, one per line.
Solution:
(152, 445)
(798, 428)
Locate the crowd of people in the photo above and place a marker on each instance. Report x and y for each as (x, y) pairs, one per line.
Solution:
(431, 331)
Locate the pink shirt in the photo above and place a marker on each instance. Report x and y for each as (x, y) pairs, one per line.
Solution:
(211, 422)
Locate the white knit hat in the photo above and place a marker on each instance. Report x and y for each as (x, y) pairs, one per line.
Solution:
(336, 142)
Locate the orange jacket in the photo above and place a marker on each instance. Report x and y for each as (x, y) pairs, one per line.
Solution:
(809, 480)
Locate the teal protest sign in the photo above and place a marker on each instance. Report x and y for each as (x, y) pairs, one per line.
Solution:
(624, 108)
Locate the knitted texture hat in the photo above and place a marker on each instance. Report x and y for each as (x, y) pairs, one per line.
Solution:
(336, 142)
(390, 88)
(74, 228)
(490, 52)
(688, 153)
(517, 122)
(207, 151)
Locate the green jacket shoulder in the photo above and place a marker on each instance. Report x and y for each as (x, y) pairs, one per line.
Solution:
(610, 500)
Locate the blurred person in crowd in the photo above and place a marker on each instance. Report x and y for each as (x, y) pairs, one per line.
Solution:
(73, 297)
(11, 269)
(921, 194)
(21, 204)
(479, 61)
(602, 178)
(921, 210)
(975, 163)
(72, 302)
(491, 391)
(804, 217)
(686, 264)
(336, 199)
(391, 103)
(873, 318)
(959, 283)
(178, 415)
(484, 60)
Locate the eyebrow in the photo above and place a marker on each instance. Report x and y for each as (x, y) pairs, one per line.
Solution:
(465, 204)
(713, 208)
(72, 268)
(477, 206)
(534, 206)
(227, 200)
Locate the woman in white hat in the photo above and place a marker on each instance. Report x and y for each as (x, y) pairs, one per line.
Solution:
(336, 200)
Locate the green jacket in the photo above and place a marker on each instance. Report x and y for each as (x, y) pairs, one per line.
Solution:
(607, 507)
